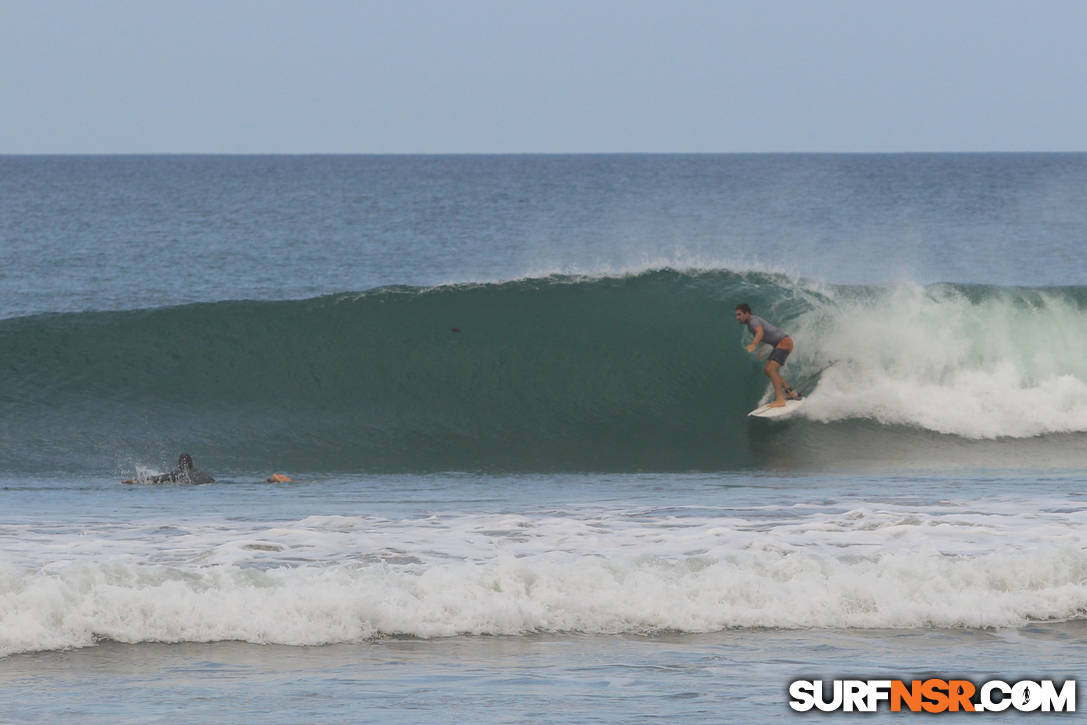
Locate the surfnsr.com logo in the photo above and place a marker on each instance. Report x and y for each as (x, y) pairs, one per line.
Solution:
(932, 695)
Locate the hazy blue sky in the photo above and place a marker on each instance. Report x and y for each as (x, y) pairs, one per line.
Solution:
(138, 76)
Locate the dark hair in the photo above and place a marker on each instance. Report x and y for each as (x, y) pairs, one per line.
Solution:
(184, 462)
(744, 308)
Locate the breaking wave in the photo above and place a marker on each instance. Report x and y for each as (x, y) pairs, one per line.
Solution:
(635, 372)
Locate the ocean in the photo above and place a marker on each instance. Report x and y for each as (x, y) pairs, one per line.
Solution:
(512, 401)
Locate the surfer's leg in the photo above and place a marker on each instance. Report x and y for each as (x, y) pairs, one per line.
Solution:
(771, 370)
(778, 356)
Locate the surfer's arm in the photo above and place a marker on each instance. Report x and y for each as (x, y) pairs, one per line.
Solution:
(758, 338)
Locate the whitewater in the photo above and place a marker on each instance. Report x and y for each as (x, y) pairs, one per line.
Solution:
(336, 579)
(511, 398)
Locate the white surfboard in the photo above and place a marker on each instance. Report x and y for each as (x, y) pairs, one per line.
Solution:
(767, 412)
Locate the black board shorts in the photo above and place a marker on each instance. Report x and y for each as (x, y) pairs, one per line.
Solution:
(779, 354)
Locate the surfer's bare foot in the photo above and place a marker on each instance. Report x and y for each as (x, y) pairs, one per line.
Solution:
(792, 394)
(777, 404)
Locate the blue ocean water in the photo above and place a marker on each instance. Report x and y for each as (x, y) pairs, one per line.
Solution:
(512, 401)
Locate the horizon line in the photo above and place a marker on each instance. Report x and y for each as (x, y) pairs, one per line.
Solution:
(539, 153)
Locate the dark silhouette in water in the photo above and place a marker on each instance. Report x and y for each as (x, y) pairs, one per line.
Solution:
(185, 473)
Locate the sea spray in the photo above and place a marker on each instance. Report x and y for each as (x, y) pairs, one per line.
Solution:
(971, 362)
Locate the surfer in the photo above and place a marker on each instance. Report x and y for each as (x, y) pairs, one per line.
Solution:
(185, 473)
(764, 332)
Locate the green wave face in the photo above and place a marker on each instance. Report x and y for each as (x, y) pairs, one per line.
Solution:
(632, 373)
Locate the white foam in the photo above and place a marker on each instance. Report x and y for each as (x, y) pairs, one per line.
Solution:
(75, 604)
(1011, 365)
(328, 579)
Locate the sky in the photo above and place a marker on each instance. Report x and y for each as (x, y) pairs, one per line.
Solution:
(548, 76)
